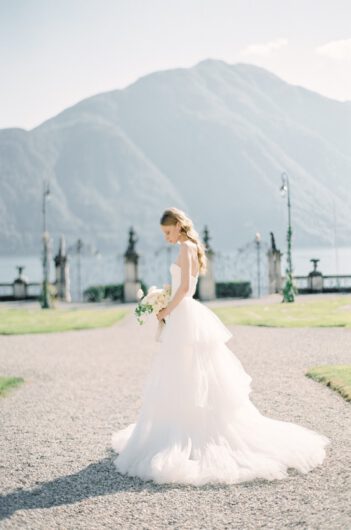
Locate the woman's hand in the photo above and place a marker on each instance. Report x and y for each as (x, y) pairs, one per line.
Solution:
(163, 314)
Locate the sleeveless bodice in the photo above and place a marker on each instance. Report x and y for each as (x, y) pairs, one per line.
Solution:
(176, 276)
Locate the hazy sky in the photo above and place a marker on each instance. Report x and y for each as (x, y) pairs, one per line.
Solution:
(54, 53)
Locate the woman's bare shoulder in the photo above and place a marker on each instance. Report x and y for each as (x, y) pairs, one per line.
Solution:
(189, 244)
(189, 247)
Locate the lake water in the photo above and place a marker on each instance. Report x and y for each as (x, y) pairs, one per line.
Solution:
(154, 266)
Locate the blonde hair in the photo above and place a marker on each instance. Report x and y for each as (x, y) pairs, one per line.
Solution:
(172, 216)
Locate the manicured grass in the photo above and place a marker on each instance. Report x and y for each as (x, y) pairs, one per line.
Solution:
(330, 312)
(337, 377)
(9, 382)
(20, 321)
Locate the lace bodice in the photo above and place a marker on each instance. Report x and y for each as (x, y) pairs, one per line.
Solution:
(176, 276)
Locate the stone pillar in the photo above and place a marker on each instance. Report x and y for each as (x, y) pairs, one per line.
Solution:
(207, 283)
(274, 268)
(315, 278)
(131, 280)
(20, 285)
(62, 281)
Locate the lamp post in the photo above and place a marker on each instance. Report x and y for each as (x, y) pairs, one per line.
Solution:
(289, 289)
(45, 303)
(336, 248)
(79, 272)
(258, 249)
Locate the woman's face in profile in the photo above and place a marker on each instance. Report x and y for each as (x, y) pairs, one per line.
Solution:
(171, 232)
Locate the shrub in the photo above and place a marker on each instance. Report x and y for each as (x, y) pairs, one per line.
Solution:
(237, 289)
(114, 292)
(97, 293)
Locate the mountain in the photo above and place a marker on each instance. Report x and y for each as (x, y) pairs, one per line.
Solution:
(212, 139)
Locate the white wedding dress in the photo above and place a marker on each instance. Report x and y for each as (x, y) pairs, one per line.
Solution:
(197, 424)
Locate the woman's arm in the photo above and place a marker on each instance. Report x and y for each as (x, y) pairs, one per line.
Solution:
(185, 272)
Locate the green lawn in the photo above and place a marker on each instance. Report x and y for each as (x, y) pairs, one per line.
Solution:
(331, 312)
(337, 377)
(20, 321)
(8, 382)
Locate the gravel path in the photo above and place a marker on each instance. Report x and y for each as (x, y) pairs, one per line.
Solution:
(56, 466)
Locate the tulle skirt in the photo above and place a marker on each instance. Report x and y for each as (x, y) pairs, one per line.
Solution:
(197, 424)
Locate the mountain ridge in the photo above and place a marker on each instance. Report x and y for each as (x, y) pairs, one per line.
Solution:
(229, 130)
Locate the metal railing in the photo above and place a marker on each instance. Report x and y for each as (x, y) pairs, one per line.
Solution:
(331, 283)
(7, 292)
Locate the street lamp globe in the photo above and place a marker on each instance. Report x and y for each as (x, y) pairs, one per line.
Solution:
(284, 186)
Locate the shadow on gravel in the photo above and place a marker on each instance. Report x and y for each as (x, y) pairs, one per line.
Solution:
(100, 478)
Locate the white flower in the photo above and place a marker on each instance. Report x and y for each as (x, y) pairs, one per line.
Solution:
(155, 300)
(140, 294)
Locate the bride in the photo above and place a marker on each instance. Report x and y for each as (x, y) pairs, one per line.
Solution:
(197, 423)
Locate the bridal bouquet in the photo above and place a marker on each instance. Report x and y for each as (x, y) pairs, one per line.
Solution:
(155, 300)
